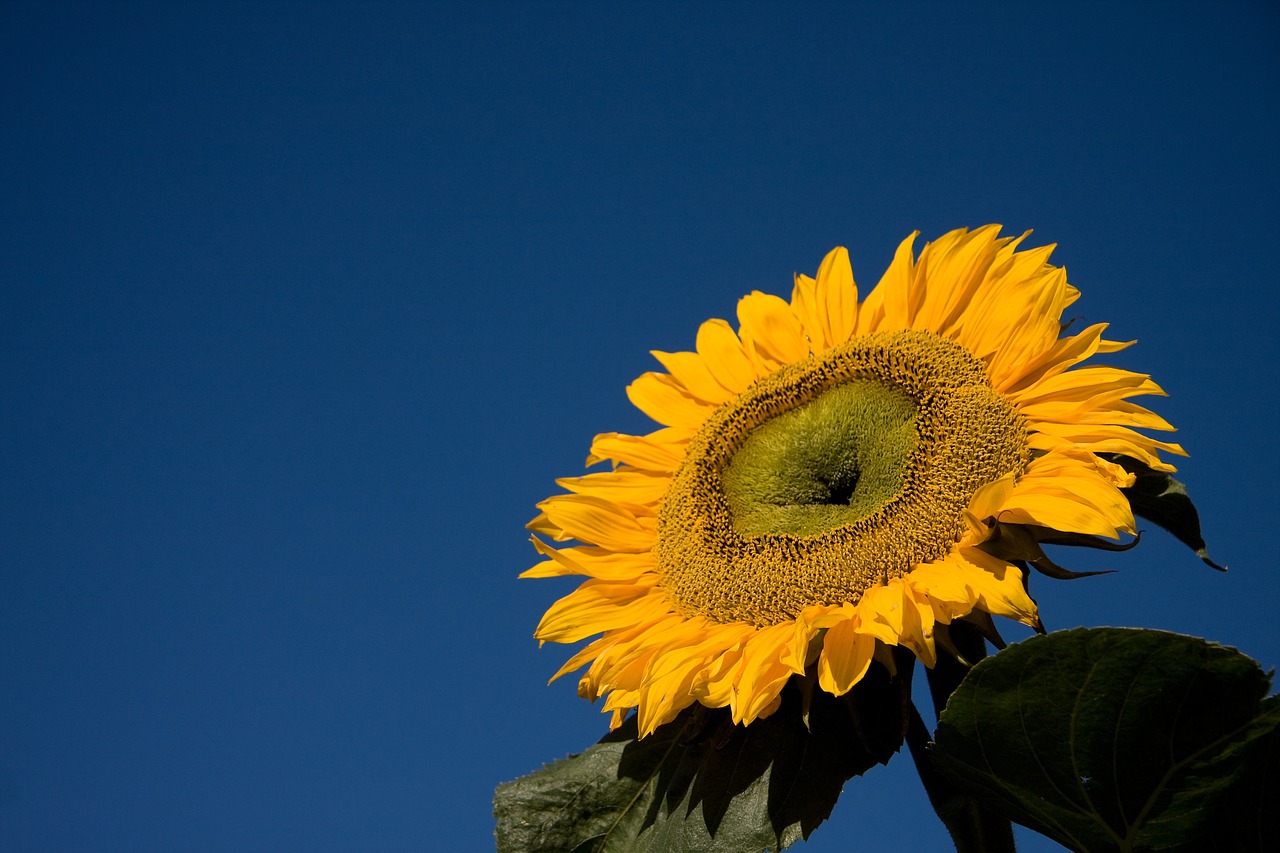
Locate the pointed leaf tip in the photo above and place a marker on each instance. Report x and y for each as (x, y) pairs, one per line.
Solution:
(1160, 499)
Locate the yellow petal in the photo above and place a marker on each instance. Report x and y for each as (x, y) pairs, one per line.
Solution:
(846, 656)
(949, 592)
(714, 687)
(1114, 346)
(659, 451)
(542, 524)
(894, 293)
(948, 272)
(998, 585)
(880, 613)
(761, 673)
(986, 502)
(1114, 474)
(771, 330)
(795, 653)
(1061, 511)
(1099, 411)
(601, 522)
(691, 371)
(1066, 490)
(767, 711)
(588, 653)
(837, 297)
(871, 315)
(661, 398)
(804, 302)
(1088, 383)
(596, 607)
(1103, 439)
(825, 616)
(598, 563)
(917, 633)
(724, 356)
(625, 484)
(1059, 356)
(668, 684)
(1014, 318)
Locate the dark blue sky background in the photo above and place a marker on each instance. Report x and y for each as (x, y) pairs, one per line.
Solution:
(306, 305)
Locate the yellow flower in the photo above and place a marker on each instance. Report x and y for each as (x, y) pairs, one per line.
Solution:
(836, 478)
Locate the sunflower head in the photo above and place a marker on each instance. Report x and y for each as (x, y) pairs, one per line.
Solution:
(838, 478)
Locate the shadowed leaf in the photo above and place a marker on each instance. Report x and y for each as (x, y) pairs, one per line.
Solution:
(702, 783)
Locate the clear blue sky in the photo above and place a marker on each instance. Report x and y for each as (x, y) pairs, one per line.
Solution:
(306, 305)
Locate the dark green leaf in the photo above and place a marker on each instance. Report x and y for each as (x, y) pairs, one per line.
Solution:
(1162, 500)
(702, 783)
(1114, 739)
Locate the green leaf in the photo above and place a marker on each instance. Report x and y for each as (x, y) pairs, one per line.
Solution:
(702, 783)
(1117, 739)
(1162, 500)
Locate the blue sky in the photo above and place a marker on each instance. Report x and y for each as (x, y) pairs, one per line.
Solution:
(306, 305)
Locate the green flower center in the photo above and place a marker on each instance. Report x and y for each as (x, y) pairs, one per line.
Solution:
(833, 475)
(830, 462)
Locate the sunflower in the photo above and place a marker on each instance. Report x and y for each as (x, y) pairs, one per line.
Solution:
(838, 478)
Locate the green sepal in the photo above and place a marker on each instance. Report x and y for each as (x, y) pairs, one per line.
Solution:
(1018, 543)
(702, 783)
(1160, 499)
(1114, 739)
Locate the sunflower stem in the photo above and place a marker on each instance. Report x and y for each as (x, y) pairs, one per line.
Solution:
(972, 828)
